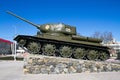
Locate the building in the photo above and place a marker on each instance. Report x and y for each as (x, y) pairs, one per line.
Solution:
(5, 47)
(11, 48)
(114, 46)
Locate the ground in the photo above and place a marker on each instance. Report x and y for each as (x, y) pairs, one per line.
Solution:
(13, 70)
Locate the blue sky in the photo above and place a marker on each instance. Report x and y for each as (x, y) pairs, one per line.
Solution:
(88, 16)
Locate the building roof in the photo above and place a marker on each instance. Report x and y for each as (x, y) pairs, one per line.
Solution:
(7, 41)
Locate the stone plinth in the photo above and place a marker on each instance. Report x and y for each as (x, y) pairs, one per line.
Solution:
(57, 65)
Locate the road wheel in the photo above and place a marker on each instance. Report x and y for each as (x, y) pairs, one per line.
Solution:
(34, 47)
(65, 51)
(104, 56)
(49, 49)
(92, 55)
(78, 53)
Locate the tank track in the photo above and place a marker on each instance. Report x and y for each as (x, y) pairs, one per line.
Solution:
(51, 47)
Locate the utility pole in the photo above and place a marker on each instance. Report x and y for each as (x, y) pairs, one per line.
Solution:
(14, 44)
(15, 51)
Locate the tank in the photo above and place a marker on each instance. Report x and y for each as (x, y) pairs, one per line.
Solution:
(61, 40)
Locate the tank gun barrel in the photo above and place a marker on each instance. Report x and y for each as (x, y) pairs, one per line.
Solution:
(23, 19)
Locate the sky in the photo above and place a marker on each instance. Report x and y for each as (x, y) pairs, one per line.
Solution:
(88, 16)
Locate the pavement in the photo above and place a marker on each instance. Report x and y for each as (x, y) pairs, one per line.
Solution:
(13, 70)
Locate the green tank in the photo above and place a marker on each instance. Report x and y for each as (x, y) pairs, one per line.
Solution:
(61, 40)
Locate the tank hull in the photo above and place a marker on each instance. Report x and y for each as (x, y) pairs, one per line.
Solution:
(64, 47)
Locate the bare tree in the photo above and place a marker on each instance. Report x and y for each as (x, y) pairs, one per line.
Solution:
(105, 36)
(97, 35)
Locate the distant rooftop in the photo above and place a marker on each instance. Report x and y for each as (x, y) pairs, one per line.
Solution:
(7, 41)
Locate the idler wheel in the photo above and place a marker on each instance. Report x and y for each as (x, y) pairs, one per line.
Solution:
(92, 55)
(65, 51)
(22, 42)
(34, 47)
(49, 49)
(78, 53)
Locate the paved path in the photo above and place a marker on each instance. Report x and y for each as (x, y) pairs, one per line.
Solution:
(13, 70)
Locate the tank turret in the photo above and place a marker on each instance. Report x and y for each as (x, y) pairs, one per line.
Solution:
(50, 28)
